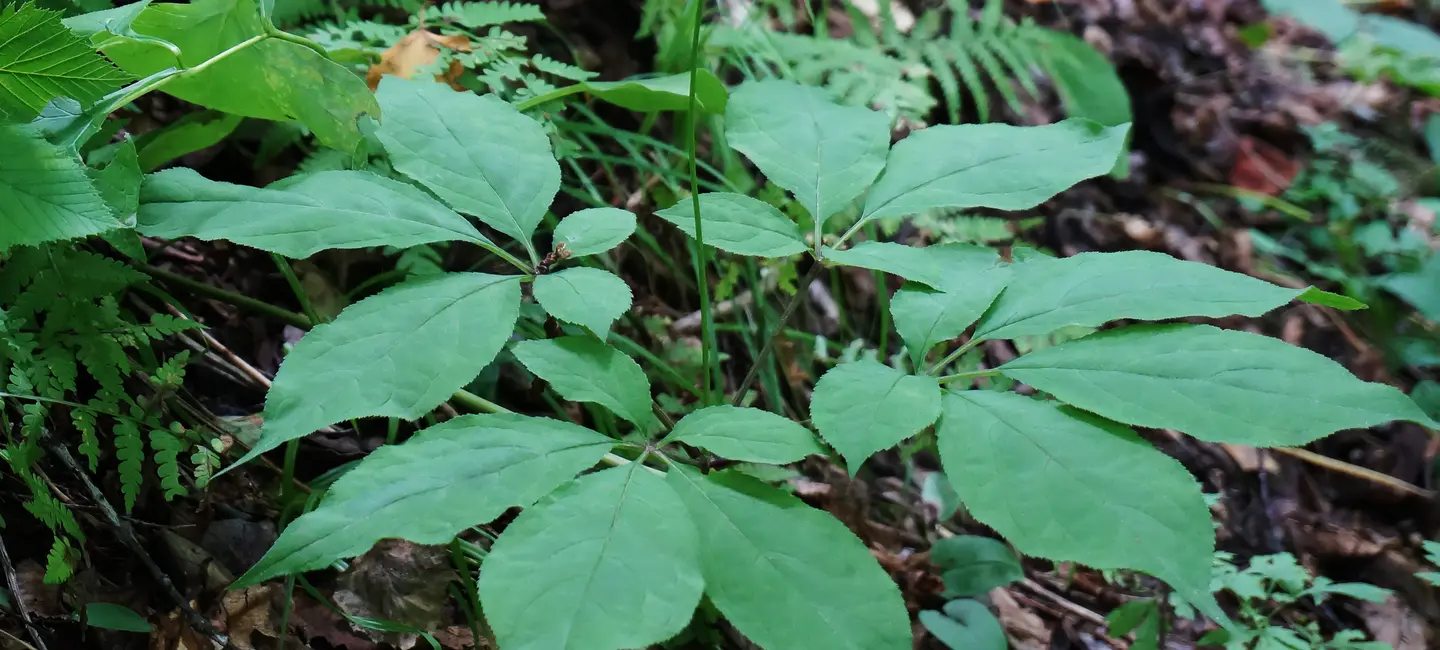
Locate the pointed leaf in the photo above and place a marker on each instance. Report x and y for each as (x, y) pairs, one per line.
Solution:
(925, 317)
(45, 193)
(1217, 385)
(116, 617)
(186, 135)
(965, 625)
(117, 178)
(824, 153)
(738, 224)
(590, 298)
(972, 565)
(610, 561)
(1091, 289)
(476, 152)
(445, 479)
(942, 266)
(314, 212)
(787, 575)
(399, 354)
(865, 406)
(40, 59)
(594, 230)
(745, 434)
(583, 369)
(1064, 485)
(991, 165)
(669, 93)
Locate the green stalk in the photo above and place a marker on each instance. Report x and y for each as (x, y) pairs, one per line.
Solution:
(975, 374)
(231, 297)
(299, 291)
(950, 358)
(707, 324)
(763, 358)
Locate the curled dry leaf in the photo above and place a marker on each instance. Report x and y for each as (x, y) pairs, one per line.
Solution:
(397, 581)
(418, 49)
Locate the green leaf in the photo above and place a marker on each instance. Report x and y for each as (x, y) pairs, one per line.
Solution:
(1091, 289)
(588, 297)
(187, 135)
(824, 153)
(116, 617)
(117, 179)
(738, 224)
(1063, 485)
(46, 192)
(1087, 82)
(1326, 299)
(314, 212)
(399, 354)
(972, 565)
(594, 230)
(865, 406)
(669, 93)
(1329, 17)
(610, 561)
(965, 625)
(745, 434)
(40, 59)
(941, 266)
(991, 165)
(584, 369)
(1217, 385)
(1419, 288)
(925, 317)
(445, 479)
(787, 575)
(433, 135)
(272, 79)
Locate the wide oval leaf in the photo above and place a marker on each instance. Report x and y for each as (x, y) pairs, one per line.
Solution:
(314, 212)
(738, 224)
(1064, 485)
(787, 575)
(925, 317)
(445, 479)
(46, 192)
(972, 565)
(1217, 385)
(399, 354)
(824, 153)
(1091, 289)
(611, 561)
(866, 406)
(585, 369)
(476, 152)
(745, 434)
(965, 625)
(591, 298)
(991, 165)
(668, 93)
(942, 266)
(594, 230)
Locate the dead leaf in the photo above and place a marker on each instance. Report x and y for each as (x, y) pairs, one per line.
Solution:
(245, 612)
(321, 622)
(174, 633)
(1024, 628)
(1393, 623)
(418, 49)
(397, 581)
(41, 599)
(1262, 168)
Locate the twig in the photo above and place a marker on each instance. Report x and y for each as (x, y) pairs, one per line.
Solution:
(127, 537)
(1355, 471)
(14, 584)
(777, 331)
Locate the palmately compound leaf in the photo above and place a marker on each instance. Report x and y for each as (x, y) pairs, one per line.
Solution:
(585, 369)
(46, 192)
(738, 224)
(611, 561)
(447, 478)
(972, 565)
(1065, 485)
(787, 575)
(745, 434)
(1091, 289)
(1217, 385)
(399, 354)
(314, 212)
(668, 93)
(40, 59)
(476, 152)
(925, 317)
(272, 79)
(965, 625)
(991, 165)
(824, 153)
(591, 298)
(865, 406)
(594, 230)
(942, 266)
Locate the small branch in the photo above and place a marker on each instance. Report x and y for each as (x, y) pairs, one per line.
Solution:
(14, 584)
(776, 331)
(237, 299)
(976, 374)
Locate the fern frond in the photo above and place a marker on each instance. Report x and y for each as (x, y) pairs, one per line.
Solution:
(130, 449)
(168, 446)
(476, 15)
(204, 462)
(563, 70)
(60, 562)
(85, 421)
(172, 372)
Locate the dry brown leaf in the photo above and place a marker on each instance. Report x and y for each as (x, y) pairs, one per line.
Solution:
(245, 612)
(174, 633)
(1393, 623)
(1024, 628)
(418, 49)
(397, 581)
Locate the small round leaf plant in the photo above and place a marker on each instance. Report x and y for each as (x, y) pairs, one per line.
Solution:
(619, 540)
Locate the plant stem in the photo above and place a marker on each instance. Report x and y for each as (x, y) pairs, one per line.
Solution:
(707, 324)
(231, 297)
(299, 291)
(776, 330)
(477, 403)
(950, 358)
(549, 97)
(976, 374)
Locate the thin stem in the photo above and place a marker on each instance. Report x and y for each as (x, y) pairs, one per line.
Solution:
(549, 97)
(299, 291)
(477, 403)
(275, 32)
(231, 297)
(763, 357)
(950, 358)
(975, 374)
(707, 324)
